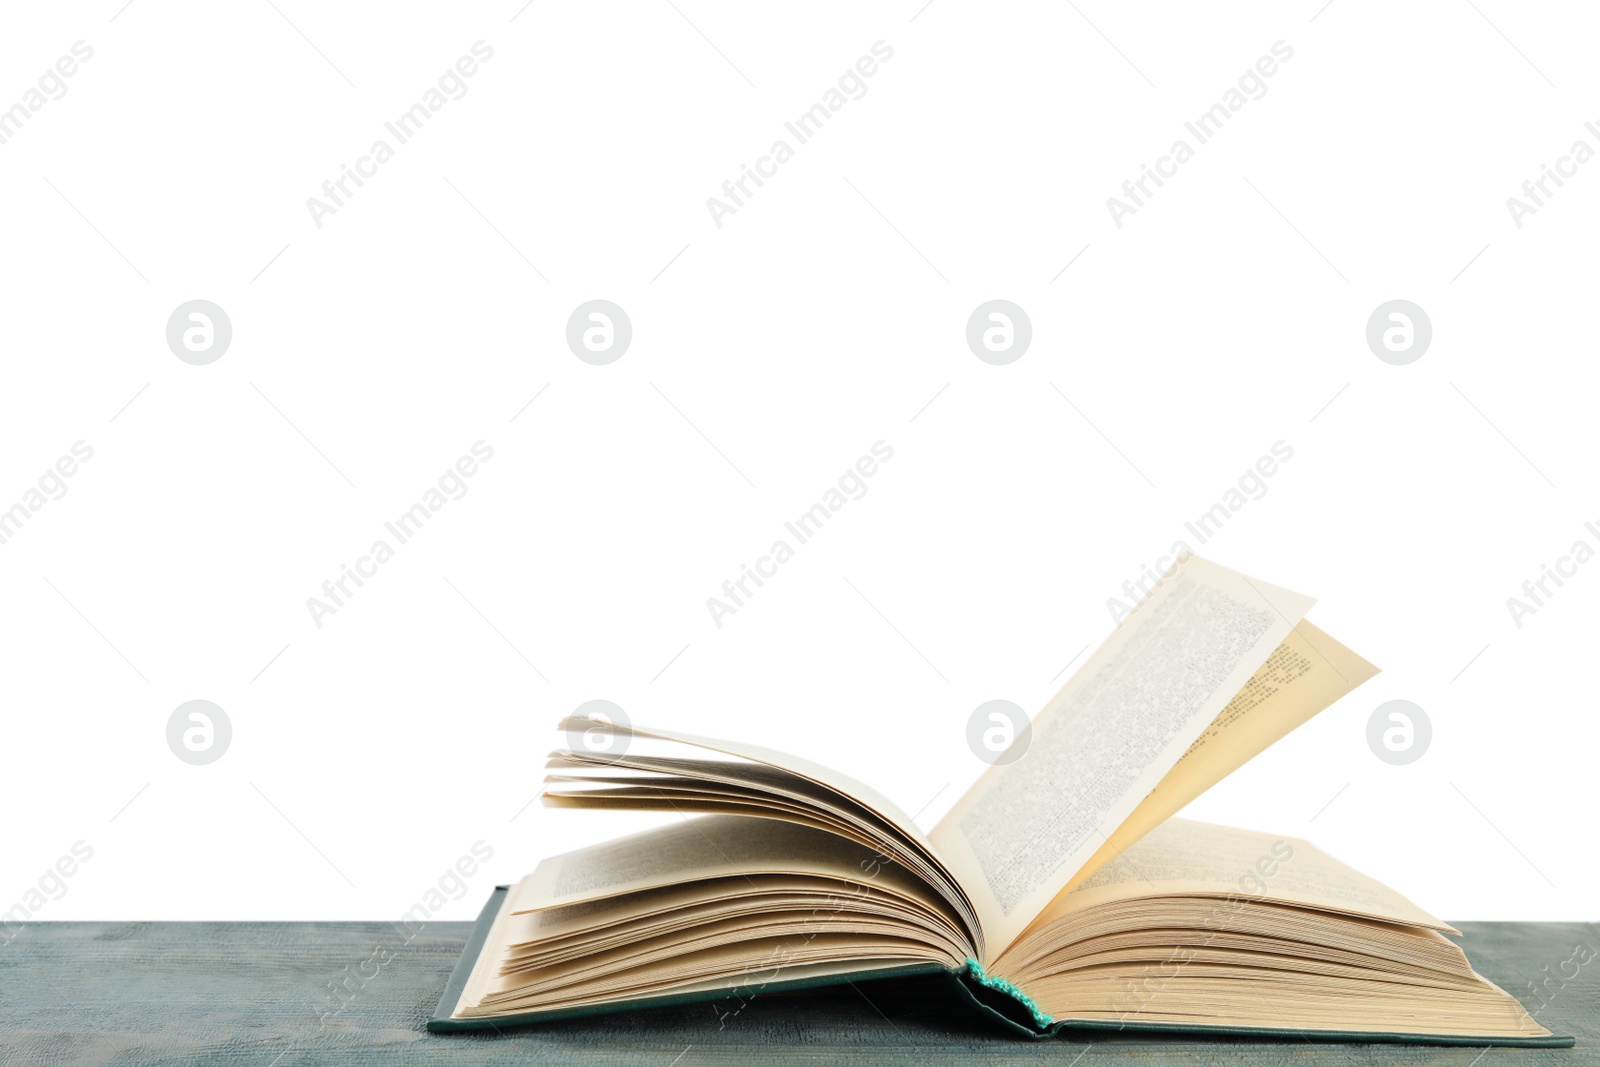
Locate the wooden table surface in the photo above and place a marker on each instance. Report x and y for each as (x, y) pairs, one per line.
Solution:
(265, 994)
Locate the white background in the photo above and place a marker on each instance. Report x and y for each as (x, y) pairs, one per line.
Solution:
(768, 354)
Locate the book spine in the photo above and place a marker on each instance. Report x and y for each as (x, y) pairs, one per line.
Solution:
(1000, 985)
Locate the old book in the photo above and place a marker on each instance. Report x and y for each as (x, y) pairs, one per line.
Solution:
(1058, 892)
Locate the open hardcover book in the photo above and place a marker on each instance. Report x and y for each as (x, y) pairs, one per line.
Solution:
(1058, 892)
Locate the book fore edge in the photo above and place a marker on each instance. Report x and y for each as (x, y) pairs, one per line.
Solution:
(1000, 985)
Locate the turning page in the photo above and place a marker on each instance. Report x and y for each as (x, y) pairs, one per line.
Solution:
(1304, 675)
(1108, 738)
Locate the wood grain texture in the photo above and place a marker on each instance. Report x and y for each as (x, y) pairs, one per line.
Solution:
(265, 994)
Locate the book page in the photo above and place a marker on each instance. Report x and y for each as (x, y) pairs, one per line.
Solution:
(896, 833)
(1108, 738)
(1304, 675)
(704, 849)
(725, 896)
(1187, 858)
(740, 989)
(787, 763)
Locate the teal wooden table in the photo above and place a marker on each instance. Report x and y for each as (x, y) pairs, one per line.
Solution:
(288, 994)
